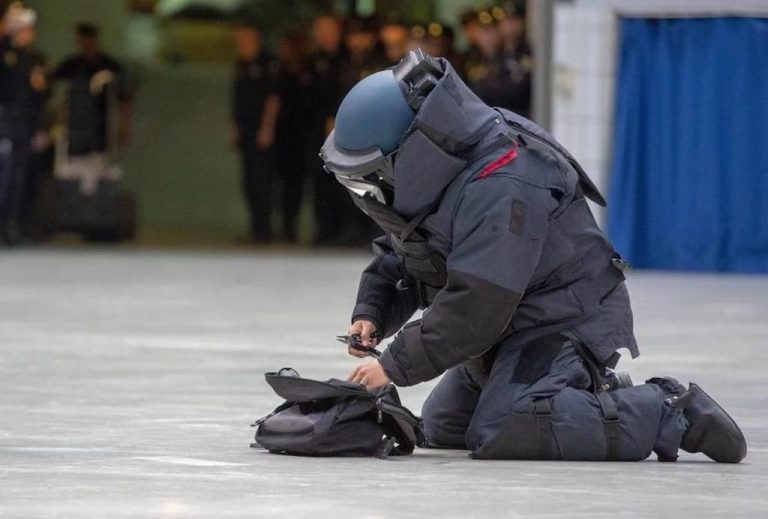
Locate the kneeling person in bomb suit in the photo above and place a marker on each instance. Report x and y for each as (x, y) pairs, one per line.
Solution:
(488, 230)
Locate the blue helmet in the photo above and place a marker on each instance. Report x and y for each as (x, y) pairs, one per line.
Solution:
(374, 114)
(371, 122)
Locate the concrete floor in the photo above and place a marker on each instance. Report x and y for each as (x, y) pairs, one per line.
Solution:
(128, 380)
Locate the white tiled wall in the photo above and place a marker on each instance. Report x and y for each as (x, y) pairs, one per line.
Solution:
(584, 61)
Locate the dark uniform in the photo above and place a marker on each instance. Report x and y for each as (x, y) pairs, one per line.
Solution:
(329, 197)
(5, 143)
(502, 80)
(524, 297)
(88, 103)
(295, 93)
(468, 60)
(23, 91)
(254, 81)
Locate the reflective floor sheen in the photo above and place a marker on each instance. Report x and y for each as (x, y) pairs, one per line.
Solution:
(128, 380)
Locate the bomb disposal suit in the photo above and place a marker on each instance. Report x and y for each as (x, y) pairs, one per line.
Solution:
(488, 231)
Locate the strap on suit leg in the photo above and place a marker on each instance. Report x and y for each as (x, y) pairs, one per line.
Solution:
(611, 423)
(543, 415)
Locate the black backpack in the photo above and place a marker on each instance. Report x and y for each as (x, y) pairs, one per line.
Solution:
(336, 418)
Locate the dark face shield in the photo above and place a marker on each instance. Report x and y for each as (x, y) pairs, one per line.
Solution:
(364, 173)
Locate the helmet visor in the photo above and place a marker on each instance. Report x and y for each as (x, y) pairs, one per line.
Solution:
(362, 172)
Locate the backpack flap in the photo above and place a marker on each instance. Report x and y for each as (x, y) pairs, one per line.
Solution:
(296, 389)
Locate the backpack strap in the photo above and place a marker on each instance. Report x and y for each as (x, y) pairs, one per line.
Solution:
(409, 424)
(386, 447)
(281, 407)
(399, 413)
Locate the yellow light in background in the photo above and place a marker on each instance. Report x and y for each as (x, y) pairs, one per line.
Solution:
(435, 29)
(418, 32)
(484, 17)
(498, 13)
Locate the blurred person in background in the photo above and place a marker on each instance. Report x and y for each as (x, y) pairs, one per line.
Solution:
(448, 41)
(496, 77)
(295, 91)
(362, 58)
(418, 37)
(5, 142)
(517, 52)
(4, 38)
(327, 60)
(469, 27)
(23, 93)
(90, 74)
(394, 38)
(255, 109)
(326, 64)
(440, 40)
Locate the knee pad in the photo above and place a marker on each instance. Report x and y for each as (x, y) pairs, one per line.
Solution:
(523, 435)
(440, 431)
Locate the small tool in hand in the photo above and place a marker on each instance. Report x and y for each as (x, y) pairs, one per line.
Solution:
(353, 341)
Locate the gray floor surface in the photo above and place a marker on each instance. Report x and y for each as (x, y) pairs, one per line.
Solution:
(128, 380)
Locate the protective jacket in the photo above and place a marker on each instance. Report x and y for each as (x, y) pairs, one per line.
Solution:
(490, 233)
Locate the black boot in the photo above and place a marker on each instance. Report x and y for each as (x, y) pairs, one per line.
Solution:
(711, 430)
(670, 386)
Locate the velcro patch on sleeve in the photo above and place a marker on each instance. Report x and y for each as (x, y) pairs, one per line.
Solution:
(517, 217)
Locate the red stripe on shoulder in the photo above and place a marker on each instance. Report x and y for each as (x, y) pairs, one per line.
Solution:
(498, 163)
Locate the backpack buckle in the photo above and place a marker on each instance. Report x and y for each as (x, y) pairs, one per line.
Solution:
(386, 447)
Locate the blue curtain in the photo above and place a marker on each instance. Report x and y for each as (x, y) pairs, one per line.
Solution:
(690, 164)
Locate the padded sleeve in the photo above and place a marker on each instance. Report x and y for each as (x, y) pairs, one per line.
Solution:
(378, 299)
